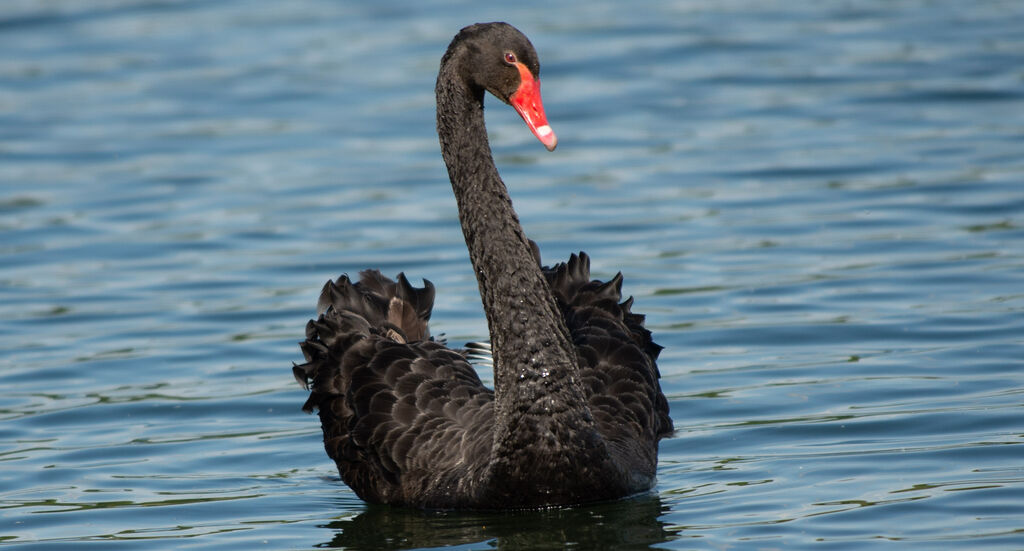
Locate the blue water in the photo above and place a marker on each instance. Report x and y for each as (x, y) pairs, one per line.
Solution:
(819, 205)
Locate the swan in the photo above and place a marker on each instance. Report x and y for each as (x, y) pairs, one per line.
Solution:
(577, 409)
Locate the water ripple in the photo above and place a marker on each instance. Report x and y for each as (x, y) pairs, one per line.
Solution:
(817, 206)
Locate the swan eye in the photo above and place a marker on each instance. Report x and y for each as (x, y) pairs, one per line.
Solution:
(510, 58)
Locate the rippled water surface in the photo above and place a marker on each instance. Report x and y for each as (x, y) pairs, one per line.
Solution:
(819, 205)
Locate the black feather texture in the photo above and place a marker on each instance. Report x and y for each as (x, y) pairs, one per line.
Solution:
(396, 407)
(616, 352)
(409, 421)
(577, 410)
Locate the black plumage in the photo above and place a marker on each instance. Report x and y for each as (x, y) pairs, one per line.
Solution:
(577, 409)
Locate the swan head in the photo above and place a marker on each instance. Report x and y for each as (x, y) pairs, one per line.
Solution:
(498, 58)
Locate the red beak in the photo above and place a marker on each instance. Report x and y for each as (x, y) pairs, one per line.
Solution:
(526, 101)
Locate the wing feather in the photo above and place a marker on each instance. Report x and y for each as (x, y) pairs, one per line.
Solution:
(395, 405)
(618, 358)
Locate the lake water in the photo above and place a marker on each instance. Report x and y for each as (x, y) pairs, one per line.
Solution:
(819, 205)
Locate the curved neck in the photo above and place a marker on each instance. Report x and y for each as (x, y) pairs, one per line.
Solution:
(533, 353)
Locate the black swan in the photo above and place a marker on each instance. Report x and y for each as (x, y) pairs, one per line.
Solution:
(577, 410)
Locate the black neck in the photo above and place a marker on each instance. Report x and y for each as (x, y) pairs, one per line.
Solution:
(535, 366)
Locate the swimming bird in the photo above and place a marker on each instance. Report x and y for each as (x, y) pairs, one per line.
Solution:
(577, 409)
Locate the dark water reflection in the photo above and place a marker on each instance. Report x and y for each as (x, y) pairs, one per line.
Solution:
(627, 524)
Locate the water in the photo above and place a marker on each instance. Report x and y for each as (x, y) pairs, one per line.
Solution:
(819, 205)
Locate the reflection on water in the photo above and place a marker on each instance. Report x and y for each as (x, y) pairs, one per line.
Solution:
(818, 206)
(628, 524)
